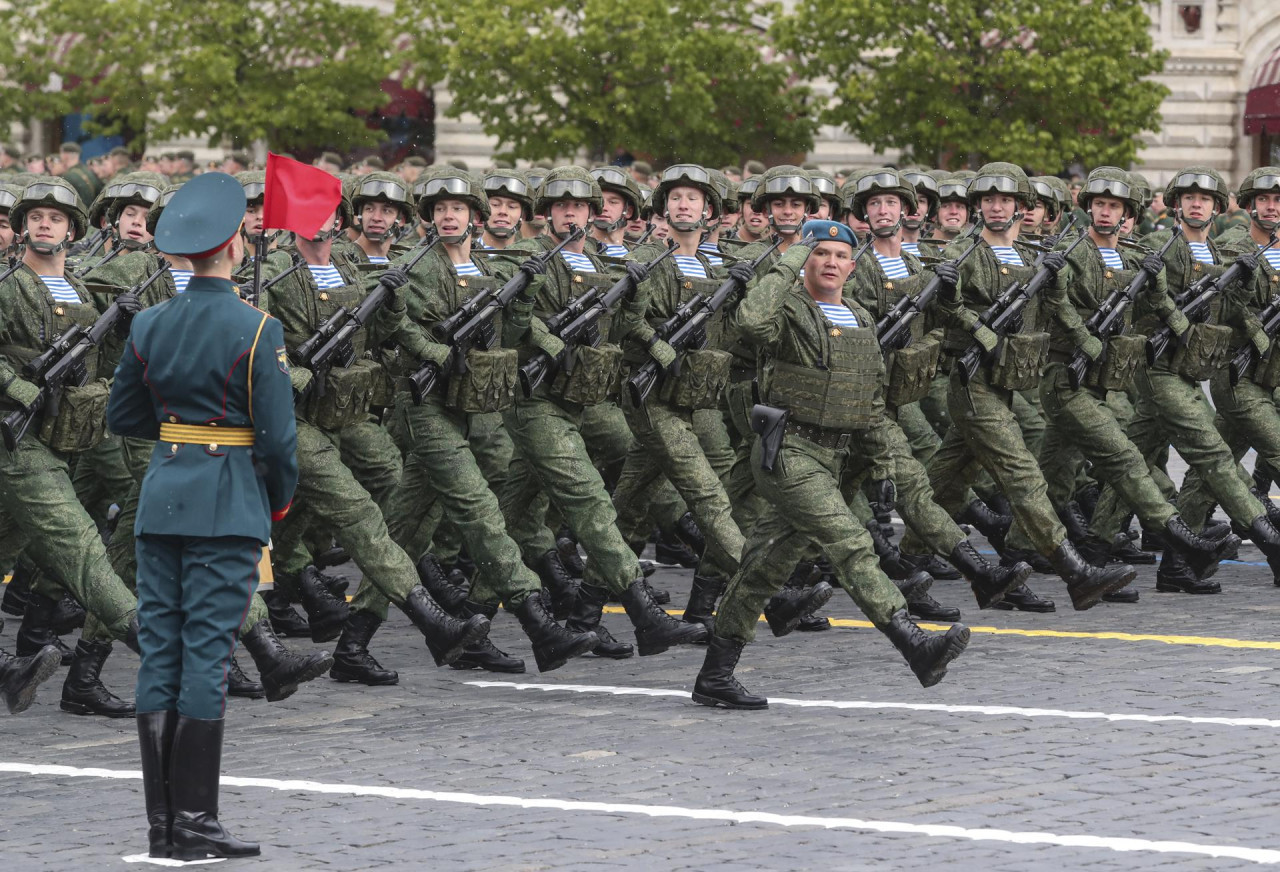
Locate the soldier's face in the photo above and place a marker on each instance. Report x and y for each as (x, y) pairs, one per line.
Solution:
(996, 208)
(828, 267)
(6, 231)
(1034, 217)
(1196, 205)
(953, 215)
(378, 218)
(1157, 201)
(566, 212)
(504, 212)
(637, 226)
(253, 219)
(787, 210)
(1267, 206)
(824, 210)
(132, 223)
(49, 226)
(728, 219)
(1106, 211)
(36, 165)
(451, 217)
(661, 229)
(686, 204)
(855, 223)
(756, 222)
(614, 207)
(884, 210)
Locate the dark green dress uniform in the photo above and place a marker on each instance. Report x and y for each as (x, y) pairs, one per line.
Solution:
(206, 375)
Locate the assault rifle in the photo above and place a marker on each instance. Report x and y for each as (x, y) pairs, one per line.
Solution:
(461, 330)
(575, 324)
(1195, 303)
(1006, 312)
(894, 329)
(62, 365)
(686, 329)
(1108, 319)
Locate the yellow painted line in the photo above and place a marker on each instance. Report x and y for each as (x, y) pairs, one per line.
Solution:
(1202, 641)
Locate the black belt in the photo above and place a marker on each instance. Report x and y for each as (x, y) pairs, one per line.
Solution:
(821, 436)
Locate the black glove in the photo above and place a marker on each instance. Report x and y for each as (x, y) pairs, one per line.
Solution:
(129, 305)
(1250, 261)
(1054, 262)
(949, 275)
(636, 273)
(811, 241)
(533, 267)
(394, 278)
(1153, 263)
(741, 272)
(884, 496)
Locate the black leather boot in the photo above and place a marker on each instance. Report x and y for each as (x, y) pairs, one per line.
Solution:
(16, 591)
(335, 556)
(1088, 584)
(686, 530)
(553, 645)
(36, 630)
(281, 670)
(928, 654)
(989, 582)
(1200, 553)
(239, 684)
(926, 608)
(891, 562)
(20, 676)
(914, 584)
(988, 522)
(155, 740)
(194, 765)
(326, 614)
(68, 616)
(442, 590)
(567, 548)
(484, 654)
(83, 693)
(932, 564)
(703, 594)
(1024, 599)
(447, 637)
(1095, 551)
(1074, 520)
(1011, 557)
(352, 660)
(656, 631)
(584, 617)
(284, 619)
(670, 551)
(556, 580)
(1124, 550)
(716, 685)
(785, 608)
(1174, 575)
(1261, 531)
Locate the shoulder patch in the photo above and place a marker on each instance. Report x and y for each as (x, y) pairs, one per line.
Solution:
(282, 360)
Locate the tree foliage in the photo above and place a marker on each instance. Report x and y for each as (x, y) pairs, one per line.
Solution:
(675, 79)
(287, 71)
(1037, 83)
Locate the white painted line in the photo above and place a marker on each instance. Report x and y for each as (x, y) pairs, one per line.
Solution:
(167, 861)
(1110, 843)
(993, 710)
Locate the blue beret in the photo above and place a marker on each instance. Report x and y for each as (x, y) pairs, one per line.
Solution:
(829, 231)
(202, 216)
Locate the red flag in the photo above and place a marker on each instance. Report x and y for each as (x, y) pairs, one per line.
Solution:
(298, 197)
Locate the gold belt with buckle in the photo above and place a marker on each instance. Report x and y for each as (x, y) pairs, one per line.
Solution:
(192, 434)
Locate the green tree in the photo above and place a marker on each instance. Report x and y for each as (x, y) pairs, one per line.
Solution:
(675, 79)
(288, 71)
(964, 81)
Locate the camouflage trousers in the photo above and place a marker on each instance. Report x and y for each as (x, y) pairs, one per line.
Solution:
(101, 476)
(926, 521)
(740, 482)
(493, 451)
(1247, 417)
(804, 508)
(666, 442)
(41, 516)
(439, 468)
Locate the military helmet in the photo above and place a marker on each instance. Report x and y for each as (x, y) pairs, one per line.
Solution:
(646, 203)
(535, 174)
(726, 190)
(1001, 178)
(747, 188)
(620, 182)
(9, 194)
(732, 204)
(133, 189)
(382, 187)
(1046, 193)
(1141, 188)
(157, 207)
(926, 187)
(692, 176)
(1260, 181)
(1108, 182)
(781, 181)
(882, 181)
(503, 182)
(1063, 190)
(254, 183)
(50, 191)
(1197, 178)
(850, 187)
(450, 183)
(824, 184)
(953, 189)
(568, 183)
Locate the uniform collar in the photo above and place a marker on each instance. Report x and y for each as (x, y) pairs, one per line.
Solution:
(209, 283)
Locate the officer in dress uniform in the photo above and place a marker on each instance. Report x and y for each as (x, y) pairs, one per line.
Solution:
(205, 374)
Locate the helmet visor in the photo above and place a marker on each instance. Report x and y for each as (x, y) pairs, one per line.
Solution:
(372, 190)
(535, 177)
(993, 185)
(1203, 181)
(824, 186)
(1109, 188)
(953, 191)
(878, 180)
(567, 189)
(165, 198)
(692, 172)
(1264, 183)
(610, 176)
(147, 193)
(510, 184)
(1044, 192)
(921, 180)
(747, 188)
(7, 200)
(59, 194)
(794, 184)
(254, 191)
(442, 187)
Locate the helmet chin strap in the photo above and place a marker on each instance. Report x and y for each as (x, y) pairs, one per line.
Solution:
(912, 224)
(885, 232)
(1269, 226)
(606, 226)
(1196, 223)
(1104, 229)
(44, 249)
(551, 228)
(502, 232)
(1002, 226)
(784, 229)
(377, 237)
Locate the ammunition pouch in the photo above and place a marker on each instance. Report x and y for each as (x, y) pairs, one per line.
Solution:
(1267, 372)
(488, 385)
(596, 374)
(348, 394)
(1023, 356)
(770, 424)
(1124, 354)
(832, 400)
(1202, 351)
(81, 421)
(911, 371)
(703, 374)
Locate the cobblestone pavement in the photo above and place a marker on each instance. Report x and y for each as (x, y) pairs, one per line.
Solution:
(1017, 761)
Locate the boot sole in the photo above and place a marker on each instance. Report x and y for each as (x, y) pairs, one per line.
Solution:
(45, 667)
(190, 854)
(77, 708)
(1093, 597)
(690, 634)
(1019, 577)
(713, 702)
(949, 617)
(326, 632)
(462, 663)
(957, 640)
(318, 665)
(475, 629)
(577, 649)
(1171, 588)
(1045, 608)
(354, 679)
(623, 652)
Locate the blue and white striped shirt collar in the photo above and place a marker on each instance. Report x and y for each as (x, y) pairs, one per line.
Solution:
(60, 289)
(1007, 254)
(1111, 258)
(894, 267)
(1200, 251)
(613, 249)
(467, 268)
(711, 253)
(839, 314)
(689, 266)
(578, 262)
(1273, 257)
(912, 248)
(326, 276)
(181, 277)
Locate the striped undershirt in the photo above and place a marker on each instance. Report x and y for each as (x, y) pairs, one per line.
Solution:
(1200, 251)
(377, 258)
(613, 249)
(578, 262)
(839, 315)
(1111, 258)
(1273, 257)
(712, 253)
(894, 267)
(326, 276)
(180, 278)
(467, 268)
(689, 266)
(912, 248)
(1007, 254)
(60, 289)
